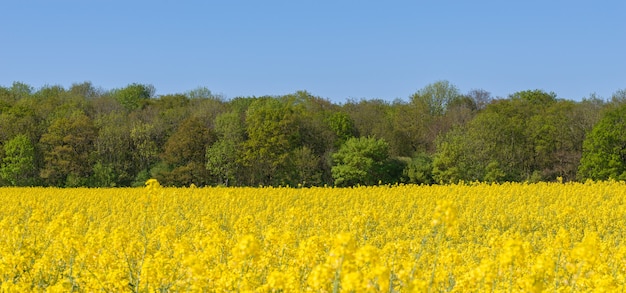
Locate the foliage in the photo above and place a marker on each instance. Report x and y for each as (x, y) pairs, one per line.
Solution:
(419, 169)
(360, 161)
(604, 149)
(436, 97)
(114, 134)
(531, 136)
(272, 129)
(133, 96)
(222, 155)
(455, 158)
(341, 124)
(185, 152)
(68, 144)
(18, 165)
(88, 136)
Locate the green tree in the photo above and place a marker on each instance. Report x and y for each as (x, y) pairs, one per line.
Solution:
(103, 176)
(495, 135)
(481, 98)
(53, 93)
(530, 136)
(374, 118)
(419, 169)
(6, 99)
(323, 128)
(18, 165)
(360, 161)
(222, 155)
(604, 149)
(273, 132)
(304, 166)
(133, 96)
(436, 96)
(200, 93)
(458, 112)
(185, 153)
(21, 118)
(145, 144)
(342, 126)
(85, 89)
(455, 159)
(557, 135)
(21, 90)
(114, 151)
(412, 128)
(222, 161)
(67, 146)
(430, 112)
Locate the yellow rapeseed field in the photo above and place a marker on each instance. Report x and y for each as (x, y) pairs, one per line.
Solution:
(459, 238)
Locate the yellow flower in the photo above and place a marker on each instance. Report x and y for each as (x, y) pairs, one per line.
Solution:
(152, 184)
(247, 248)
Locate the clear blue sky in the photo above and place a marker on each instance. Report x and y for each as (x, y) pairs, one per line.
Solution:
(334, 49)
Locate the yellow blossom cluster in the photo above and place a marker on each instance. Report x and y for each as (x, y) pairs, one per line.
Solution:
(545, 237)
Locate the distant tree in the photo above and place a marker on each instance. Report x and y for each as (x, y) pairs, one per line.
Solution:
(185, 152)
(374, 118)
(304, 168)
(166, 114)
(480, 97)
(200, 93)
(412, 128)
(368, 116)
(222, 162)
(114, 150)
(103, 176)
(529, 137)
(342, 126)
(309, 161)
(7, 100)
(557, 134)
(431, 111)
(21, 90)
(188, 143)
(436, 96)
(145, 144)
(419, 169)
(54, 93)
(104, 105)
(171, 102)
(222, 155)
(85, 89)
(619, 97)
(315, 118)
(134, 95)
(455, 159)
(272, 128)
(18, 165)
(458, 112)
(67, 146)
(89, 136)
(535, 97)
(361, 160)
(21, 118)
(604, 149)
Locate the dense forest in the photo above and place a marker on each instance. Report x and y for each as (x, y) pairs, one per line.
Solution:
(87, 136)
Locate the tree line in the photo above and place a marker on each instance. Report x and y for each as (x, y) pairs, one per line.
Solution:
(88, 136)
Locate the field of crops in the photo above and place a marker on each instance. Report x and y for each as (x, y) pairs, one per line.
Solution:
(459, 238)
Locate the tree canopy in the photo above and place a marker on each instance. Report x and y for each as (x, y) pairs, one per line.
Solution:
(89, 136)
(604, 150)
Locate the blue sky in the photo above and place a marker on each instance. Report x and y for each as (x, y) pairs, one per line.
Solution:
(338, 50)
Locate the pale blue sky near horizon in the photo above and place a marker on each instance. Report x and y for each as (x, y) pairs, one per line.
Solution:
(338, 50)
